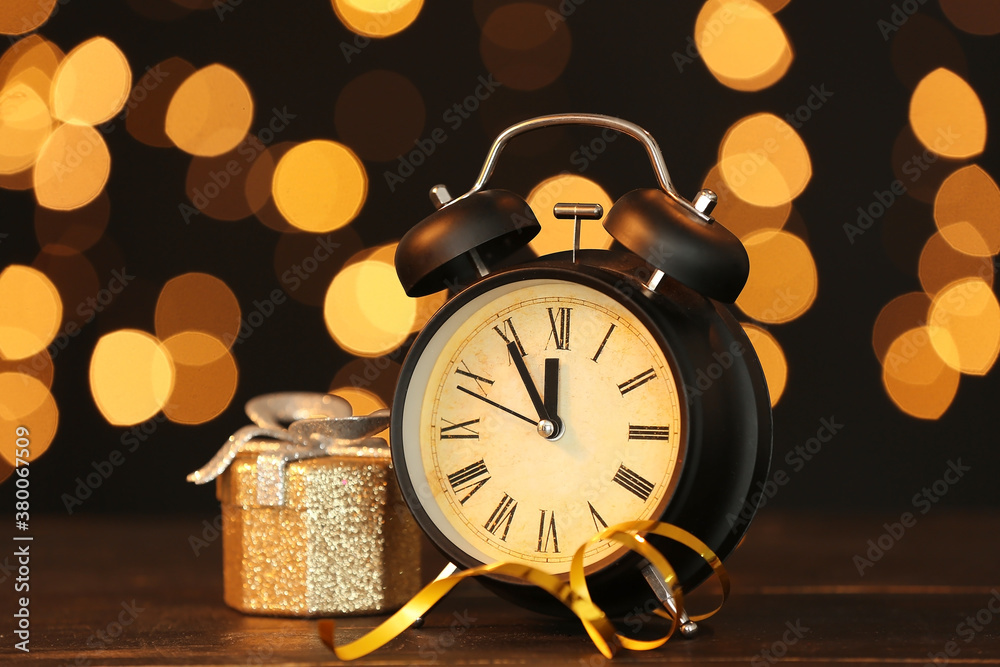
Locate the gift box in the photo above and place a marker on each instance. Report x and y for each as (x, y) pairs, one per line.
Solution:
(328, 535)
(313, 520)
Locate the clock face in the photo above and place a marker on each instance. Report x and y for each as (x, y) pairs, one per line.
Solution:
(538, 413)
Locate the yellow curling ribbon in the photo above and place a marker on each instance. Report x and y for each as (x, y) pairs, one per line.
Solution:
(574, 593)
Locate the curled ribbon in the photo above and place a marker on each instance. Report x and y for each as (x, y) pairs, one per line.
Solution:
(574, 593)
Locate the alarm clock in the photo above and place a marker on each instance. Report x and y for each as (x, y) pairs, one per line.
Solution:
(550, 398)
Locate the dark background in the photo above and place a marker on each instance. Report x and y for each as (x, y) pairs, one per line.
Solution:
(621, 64)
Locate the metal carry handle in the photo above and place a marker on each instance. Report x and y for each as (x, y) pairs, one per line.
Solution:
(595, 120)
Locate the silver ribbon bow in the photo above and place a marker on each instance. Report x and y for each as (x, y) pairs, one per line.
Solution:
(318, 425)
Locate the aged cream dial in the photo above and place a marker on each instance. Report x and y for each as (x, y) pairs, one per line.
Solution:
(543, 411)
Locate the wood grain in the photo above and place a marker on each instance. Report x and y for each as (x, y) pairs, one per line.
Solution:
(134, 591)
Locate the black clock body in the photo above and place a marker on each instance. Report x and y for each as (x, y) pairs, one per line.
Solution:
(725, 409)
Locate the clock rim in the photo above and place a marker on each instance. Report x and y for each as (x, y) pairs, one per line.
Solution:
(562, 271)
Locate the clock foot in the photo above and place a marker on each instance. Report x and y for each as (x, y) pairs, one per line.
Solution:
(688, 627)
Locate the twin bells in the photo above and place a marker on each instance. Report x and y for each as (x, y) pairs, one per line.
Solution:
(678, 238)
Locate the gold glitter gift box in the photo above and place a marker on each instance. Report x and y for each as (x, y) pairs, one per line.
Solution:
(327, 535)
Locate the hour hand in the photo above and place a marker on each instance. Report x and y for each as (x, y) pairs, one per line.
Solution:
(551, 388)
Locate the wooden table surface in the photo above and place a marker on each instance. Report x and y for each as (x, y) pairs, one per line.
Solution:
(797, 597)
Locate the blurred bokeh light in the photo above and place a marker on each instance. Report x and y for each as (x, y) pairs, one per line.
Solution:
(319, 186)
(362, 401)
(198, 302)
(916, 378)
(91, 84)
(24, 401)
(742, 43)
(764, 161)
(30, 311)
(366, 311)
(964, 325)
(783, 280)
(205, 377)
(978, 17)
(25, 125)
(947, 116)
(147, 113)
(210, 112)
(20, 16)
(523, 47)
(377, 18)
(967, 211)
(940, 264)
(772, 360)
(72, 168)
(740, 216)
(905, 312)
(131, 376)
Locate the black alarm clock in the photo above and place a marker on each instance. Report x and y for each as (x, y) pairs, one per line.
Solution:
(555, 397)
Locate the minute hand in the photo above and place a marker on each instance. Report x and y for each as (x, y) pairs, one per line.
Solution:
(497, 405)
(522, 370)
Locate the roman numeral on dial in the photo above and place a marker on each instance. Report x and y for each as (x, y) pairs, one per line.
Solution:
(471, 478)
(481, 382)
(503, 514)
(452, 432)
(632, 482)
(547, 534)
(560, 322)
(502, 330)
(603, 343)
(636, 382)
(648, 432)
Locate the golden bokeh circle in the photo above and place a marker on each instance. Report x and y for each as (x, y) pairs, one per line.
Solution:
(198, 302)
(25, 402)
(319, 186)
(147, 106)
(523, 47)
(20, 16)
(25, 125)
(940, 264)
(38, 366)
(91, 84)
(967, 211)
(363, 401)
(740, 216)
(764, 161)
(72, 168)
(377, 376)
(905, 312)
(916, 378)
(206, 378)
(947, 116)
(977, 17)
(31, 311)
(366, 311)
(964, 323)
(772, 360)
(210, 112)
(783, 280)
(131, 376)
(32, 61)
(377, 18)
(742, 44)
